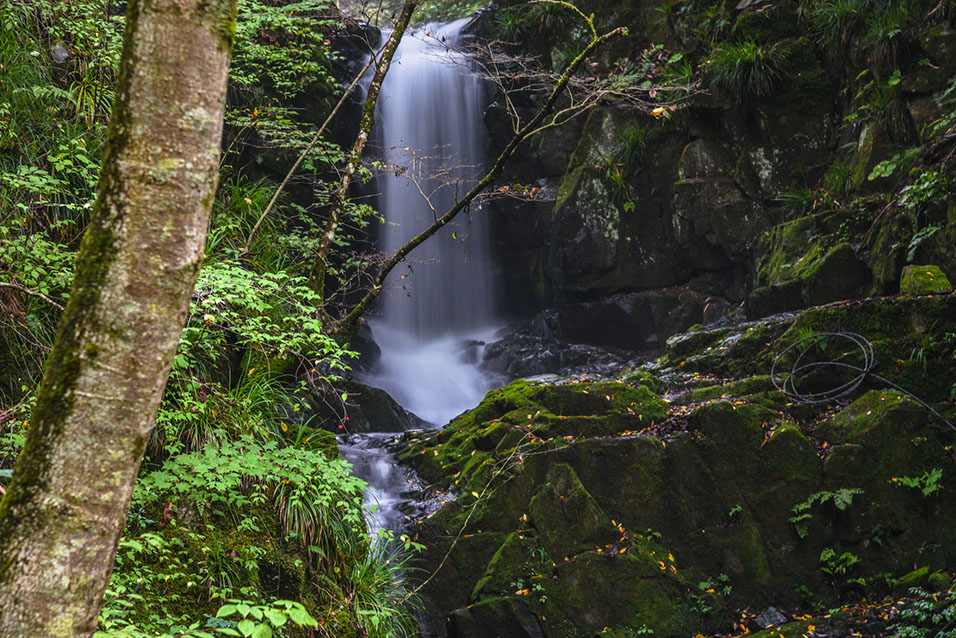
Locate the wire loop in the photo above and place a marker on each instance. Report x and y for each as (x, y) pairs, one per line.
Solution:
(802, 367)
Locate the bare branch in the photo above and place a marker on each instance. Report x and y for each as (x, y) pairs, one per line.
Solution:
(340, 196)
(33, 293)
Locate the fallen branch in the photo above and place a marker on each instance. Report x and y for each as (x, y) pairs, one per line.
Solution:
(32, 293)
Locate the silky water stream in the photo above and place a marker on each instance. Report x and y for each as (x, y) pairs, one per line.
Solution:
(436, 310)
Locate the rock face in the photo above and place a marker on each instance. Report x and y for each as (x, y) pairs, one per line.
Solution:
(587, 506)
(772, 200)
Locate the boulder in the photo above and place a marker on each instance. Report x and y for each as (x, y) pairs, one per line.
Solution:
(924, 280)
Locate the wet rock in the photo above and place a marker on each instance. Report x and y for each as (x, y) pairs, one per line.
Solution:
(368, 350)
(372, 410)
(770, 617)
(525, 351)
(364, 409)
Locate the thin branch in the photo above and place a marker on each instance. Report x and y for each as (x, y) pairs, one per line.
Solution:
(33, 293)
(340, 197)
(308, 149)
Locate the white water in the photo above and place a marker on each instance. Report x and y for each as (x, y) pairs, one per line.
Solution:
(438, 304)
(437, 309)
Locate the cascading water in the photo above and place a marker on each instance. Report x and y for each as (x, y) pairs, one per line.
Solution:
(437, 310)
(431, 131)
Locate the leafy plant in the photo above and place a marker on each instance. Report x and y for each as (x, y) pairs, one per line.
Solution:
(899, 162)
(927, 483)
(927, 615)
(841, 499)
(746, 70)
(836, 564)
(262, 621)
(619, 190)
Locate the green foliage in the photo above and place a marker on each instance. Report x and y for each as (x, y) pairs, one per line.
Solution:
(839, 179)
(381, 602)
(698, 23)
(619, 190)
(880, 102)
(746, 70)
(545, 22)
(901, 162)
(927, 186)
(927, 483)
(446, 10)
(262, 621)
(799, 201)
(884, 27)
(295, 479)
(927, 615)
(841, 499)
(631, 146)
(836, 564)
(282, 48)
(226, 479)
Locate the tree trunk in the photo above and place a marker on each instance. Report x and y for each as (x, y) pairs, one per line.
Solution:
(65, 509)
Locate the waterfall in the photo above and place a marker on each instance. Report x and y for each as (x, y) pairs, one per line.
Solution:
(436, 311)
(437, 308)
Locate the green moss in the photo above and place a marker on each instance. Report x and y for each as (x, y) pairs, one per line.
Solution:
(766, 26)
(808, 84)
(642, 377)
(742, 387)
(924, 280)
(225, 22)
(568, 519)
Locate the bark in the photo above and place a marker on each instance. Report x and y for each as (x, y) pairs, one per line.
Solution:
(340, 197)
(65, 509)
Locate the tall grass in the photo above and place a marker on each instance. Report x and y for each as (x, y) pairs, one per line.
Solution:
(746, 70)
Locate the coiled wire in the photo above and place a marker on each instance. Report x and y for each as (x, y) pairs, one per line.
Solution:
(802, 367)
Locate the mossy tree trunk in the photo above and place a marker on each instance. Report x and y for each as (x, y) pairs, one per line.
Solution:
(63, 514)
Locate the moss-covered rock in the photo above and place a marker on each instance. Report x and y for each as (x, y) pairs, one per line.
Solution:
(567, 493)
(798, 266)
(924, 280)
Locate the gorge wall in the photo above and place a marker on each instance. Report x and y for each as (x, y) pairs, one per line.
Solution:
(744, 201)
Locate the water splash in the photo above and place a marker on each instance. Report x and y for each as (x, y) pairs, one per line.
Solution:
(437, 308)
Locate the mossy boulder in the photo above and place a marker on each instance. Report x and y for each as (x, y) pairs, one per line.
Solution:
(924, 280)
(568, 519)
(798, 266)
(593, 530)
